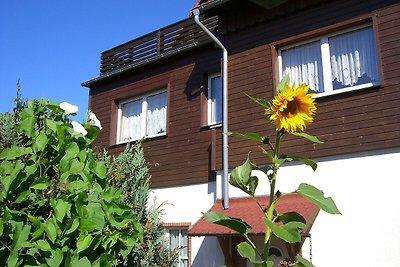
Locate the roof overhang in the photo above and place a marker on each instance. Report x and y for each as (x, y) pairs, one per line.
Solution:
(248, 210)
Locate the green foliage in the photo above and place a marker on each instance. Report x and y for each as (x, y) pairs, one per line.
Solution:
(317, 197)
(55, 206)
(129, 173)
(8, 132)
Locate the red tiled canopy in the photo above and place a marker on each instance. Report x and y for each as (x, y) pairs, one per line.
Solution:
(248, 210)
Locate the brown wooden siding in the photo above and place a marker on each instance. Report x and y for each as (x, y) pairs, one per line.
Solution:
(347, 123)
(183, 156)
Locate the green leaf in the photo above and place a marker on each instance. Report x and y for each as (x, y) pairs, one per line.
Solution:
(312, 138)
(51, 230)
(40, 184)
(40, 142)
(91, 217)
(308, 162)
(15, 152)
(317, 197)
(72, 150)
(289, 232)
(77, 186)
(76, 166)
(83, 262)
(111, 194)
(100, 169)
(246, 251)
(55, 259)
(302, 262)
(241, 178)
(60, 209)
(74, 226)
(51, 125)
(83, 242)
(282, 84)
(249, 136)
(9, 179)
(262, 102)
(290, 217)
(20, 235)
(43, 245)
(27, 121)
(235, 224)
(23, 196)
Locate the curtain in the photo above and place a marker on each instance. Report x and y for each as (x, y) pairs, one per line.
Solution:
(216, 99)
(304, 65)
(131, 121)
(174, 239)
(353, 58)
(156, 114)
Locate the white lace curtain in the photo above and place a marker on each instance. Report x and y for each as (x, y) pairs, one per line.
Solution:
(353, 56)
(131, 121)
(304, 65)
(152, 109)
(352, 60)
(156, 114)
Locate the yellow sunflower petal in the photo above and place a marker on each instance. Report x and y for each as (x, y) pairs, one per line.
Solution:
(292, 109)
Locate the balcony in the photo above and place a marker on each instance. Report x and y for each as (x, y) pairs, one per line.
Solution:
(170, 40)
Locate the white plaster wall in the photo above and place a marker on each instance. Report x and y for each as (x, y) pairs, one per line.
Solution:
(365, 188)
(186, 204)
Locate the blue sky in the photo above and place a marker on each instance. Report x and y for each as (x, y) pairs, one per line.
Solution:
(53, 46)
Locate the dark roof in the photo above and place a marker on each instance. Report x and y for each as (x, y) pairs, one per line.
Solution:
(248, 210)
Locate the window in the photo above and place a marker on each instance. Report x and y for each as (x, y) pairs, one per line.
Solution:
(145, 116)
(214, 99)
(178, 239)
(334, 63)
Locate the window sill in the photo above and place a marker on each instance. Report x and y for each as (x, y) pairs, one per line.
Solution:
(348, 89)
(154, 137)
(211, 126)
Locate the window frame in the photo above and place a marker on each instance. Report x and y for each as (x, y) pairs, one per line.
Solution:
(180, 228)
(210, 122)
(323, 38)
(144, 103)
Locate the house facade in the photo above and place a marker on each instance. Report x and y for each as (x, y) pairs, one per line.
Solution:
(166, 88)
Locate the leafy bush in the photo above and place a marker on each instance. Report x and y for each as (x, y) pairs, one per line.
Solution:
(56, 208)
(128, 172)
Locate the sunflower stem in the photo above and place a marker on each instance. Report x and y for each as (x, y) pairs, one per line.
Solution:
(269, 213)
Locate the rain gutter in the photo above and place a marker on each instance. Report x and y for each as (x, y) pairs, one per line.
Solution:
(225, 166)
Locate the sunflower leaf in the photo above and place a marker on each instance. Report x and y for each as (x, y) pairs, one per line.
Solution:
(262, 102)
(249, 136)
(310, 137)
(282, 84)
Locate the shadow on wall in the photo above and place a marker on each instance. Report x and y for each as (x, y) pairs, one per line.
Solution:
(209, 253)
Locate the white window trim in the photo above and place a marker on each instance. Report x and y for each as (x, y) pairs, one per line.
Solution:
(144, 120)
(180, 245)
(210, 122)
(326, 62)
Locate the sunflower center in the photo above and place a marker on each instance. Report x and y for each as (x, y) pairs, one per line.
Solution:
(291, 108)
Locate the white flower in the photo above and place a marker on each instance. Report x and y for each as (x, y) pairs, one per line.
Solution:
(94, 121)
(68, 108)
(78, 128)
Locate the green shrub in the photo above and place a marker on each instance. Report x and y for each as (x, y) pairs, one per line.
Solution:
(56, 208)
(128, 172)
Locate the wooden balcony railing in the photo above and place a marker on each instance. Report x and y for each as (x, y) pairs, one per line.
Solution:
(166, 41)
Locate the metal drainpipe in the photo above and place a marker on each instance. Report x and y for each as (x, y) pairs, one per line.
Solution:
(225, 190)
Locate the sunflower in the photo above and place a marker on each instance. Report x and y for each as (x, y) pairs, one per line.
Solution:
(292, 109)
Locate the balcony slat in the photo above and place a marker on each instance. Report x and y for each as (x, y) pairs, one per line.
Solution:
(167, 40)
